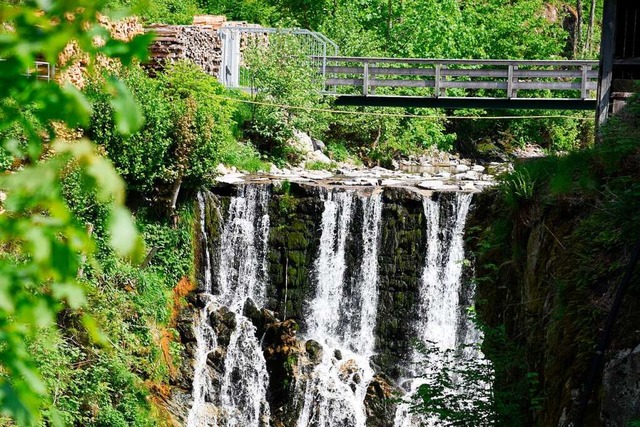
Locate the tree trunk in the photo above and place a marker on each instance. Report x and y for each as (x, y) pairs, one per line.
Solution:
(592, 23)
(577, 38)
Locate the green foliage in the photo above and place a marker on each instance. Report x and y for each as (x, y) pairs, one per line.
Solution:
(139, 157)
(413, 28)
(289, 89)
(455, 388)
(583, 210)
(518, 188)
(179, 12)
(258, 11)
(97, 386)
(190, 127)
(319, 166)
(43, 244)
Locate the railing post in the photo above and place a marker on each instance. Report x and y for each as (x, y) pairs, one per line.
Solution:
(443, 88)
(365, 79)
(514, 89)
(510, 82)
(436, 84)
(585, 80)
(324, 64)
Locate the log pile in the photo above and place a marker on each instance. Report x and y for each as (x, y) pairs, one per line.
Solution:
(198, 43)
(214, 21)
(75, 61)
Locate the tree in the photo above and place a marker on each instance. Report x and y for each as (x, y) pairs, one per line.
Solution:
(42, 245)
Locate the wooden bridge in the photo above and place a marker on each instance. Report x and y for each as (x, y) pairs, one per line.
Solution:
(461, 83)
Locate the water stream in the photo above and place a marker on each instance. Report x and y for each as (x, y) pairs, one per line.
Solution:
(439, 311)
(342, 314)
(238, 398)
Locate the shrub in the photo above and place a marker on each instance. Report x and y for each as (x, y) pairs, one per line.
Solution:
(191, 123)
(139, 157)
(288, 81)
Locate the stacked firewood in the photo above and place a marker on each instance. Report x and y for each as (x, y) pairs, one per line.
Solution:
(213, 21)
(198, 43)
(75, 61)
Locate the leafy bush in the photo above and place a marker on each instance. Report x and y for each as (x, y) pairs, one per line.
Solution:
(43, 245)
(179, 12)
(139, 157)
(190, 127)
(288, 81)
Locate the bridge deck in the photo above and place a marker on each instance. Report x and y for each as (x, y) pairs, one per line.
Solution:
(462, 83)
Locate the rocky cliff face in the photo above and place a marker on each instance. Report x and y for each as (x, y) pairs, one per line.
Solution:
(547, 273)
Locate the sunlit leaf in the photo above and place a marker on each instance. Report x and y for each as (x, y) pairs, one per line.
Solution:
(124, 236)
(70, 292)
(128, 115)
(94, 330)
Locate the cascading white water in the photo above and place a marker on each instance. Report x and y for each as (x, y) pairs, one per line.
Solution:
(205, 339)
(240, 400)
(341, 316)
(342, 320)
(244, 385)
(243, 249)
(439, 308)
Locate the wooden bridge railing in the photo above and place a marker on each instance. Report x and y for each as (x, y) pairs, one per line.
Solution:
(478, 78)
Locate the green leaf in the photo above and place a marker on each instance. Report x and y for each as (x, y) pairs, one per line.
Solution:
(124, 235)
(127, 112)
(70, 292)
(96, 334)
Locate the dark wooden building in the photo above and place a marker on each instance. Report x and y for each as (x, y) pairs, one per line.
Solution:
(619, 55)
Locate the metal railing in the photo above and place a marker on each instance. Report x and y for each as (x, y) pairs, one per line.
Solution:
(313, 45)
(464, 77)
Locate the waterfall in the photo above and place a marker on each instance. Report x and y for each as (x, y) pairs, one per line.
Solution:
(330, 389)
(342, 314)
(238, 397)
(439, 309)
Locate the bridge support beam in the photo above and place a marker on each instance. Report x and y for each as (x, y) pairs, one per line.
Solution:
(607, 50)
(461, 103)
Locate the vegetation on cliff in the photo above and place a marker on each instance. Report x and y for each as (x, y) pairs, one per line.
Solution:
(549, 264)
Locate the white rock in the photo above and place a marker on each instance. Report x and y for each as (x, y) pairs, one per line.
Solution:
(318, 156)
(443, 175)
(274, 169)
(484, 184)
(426, 175)
(371, 182)
(232, 178)
(462, 168)
(478, 168)
(471, 176)
(468, 186)
(234, 169)
(316, 174)
(222, 169)
(391, 182)
(432, 185)
(318, 145)
(302, 142)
